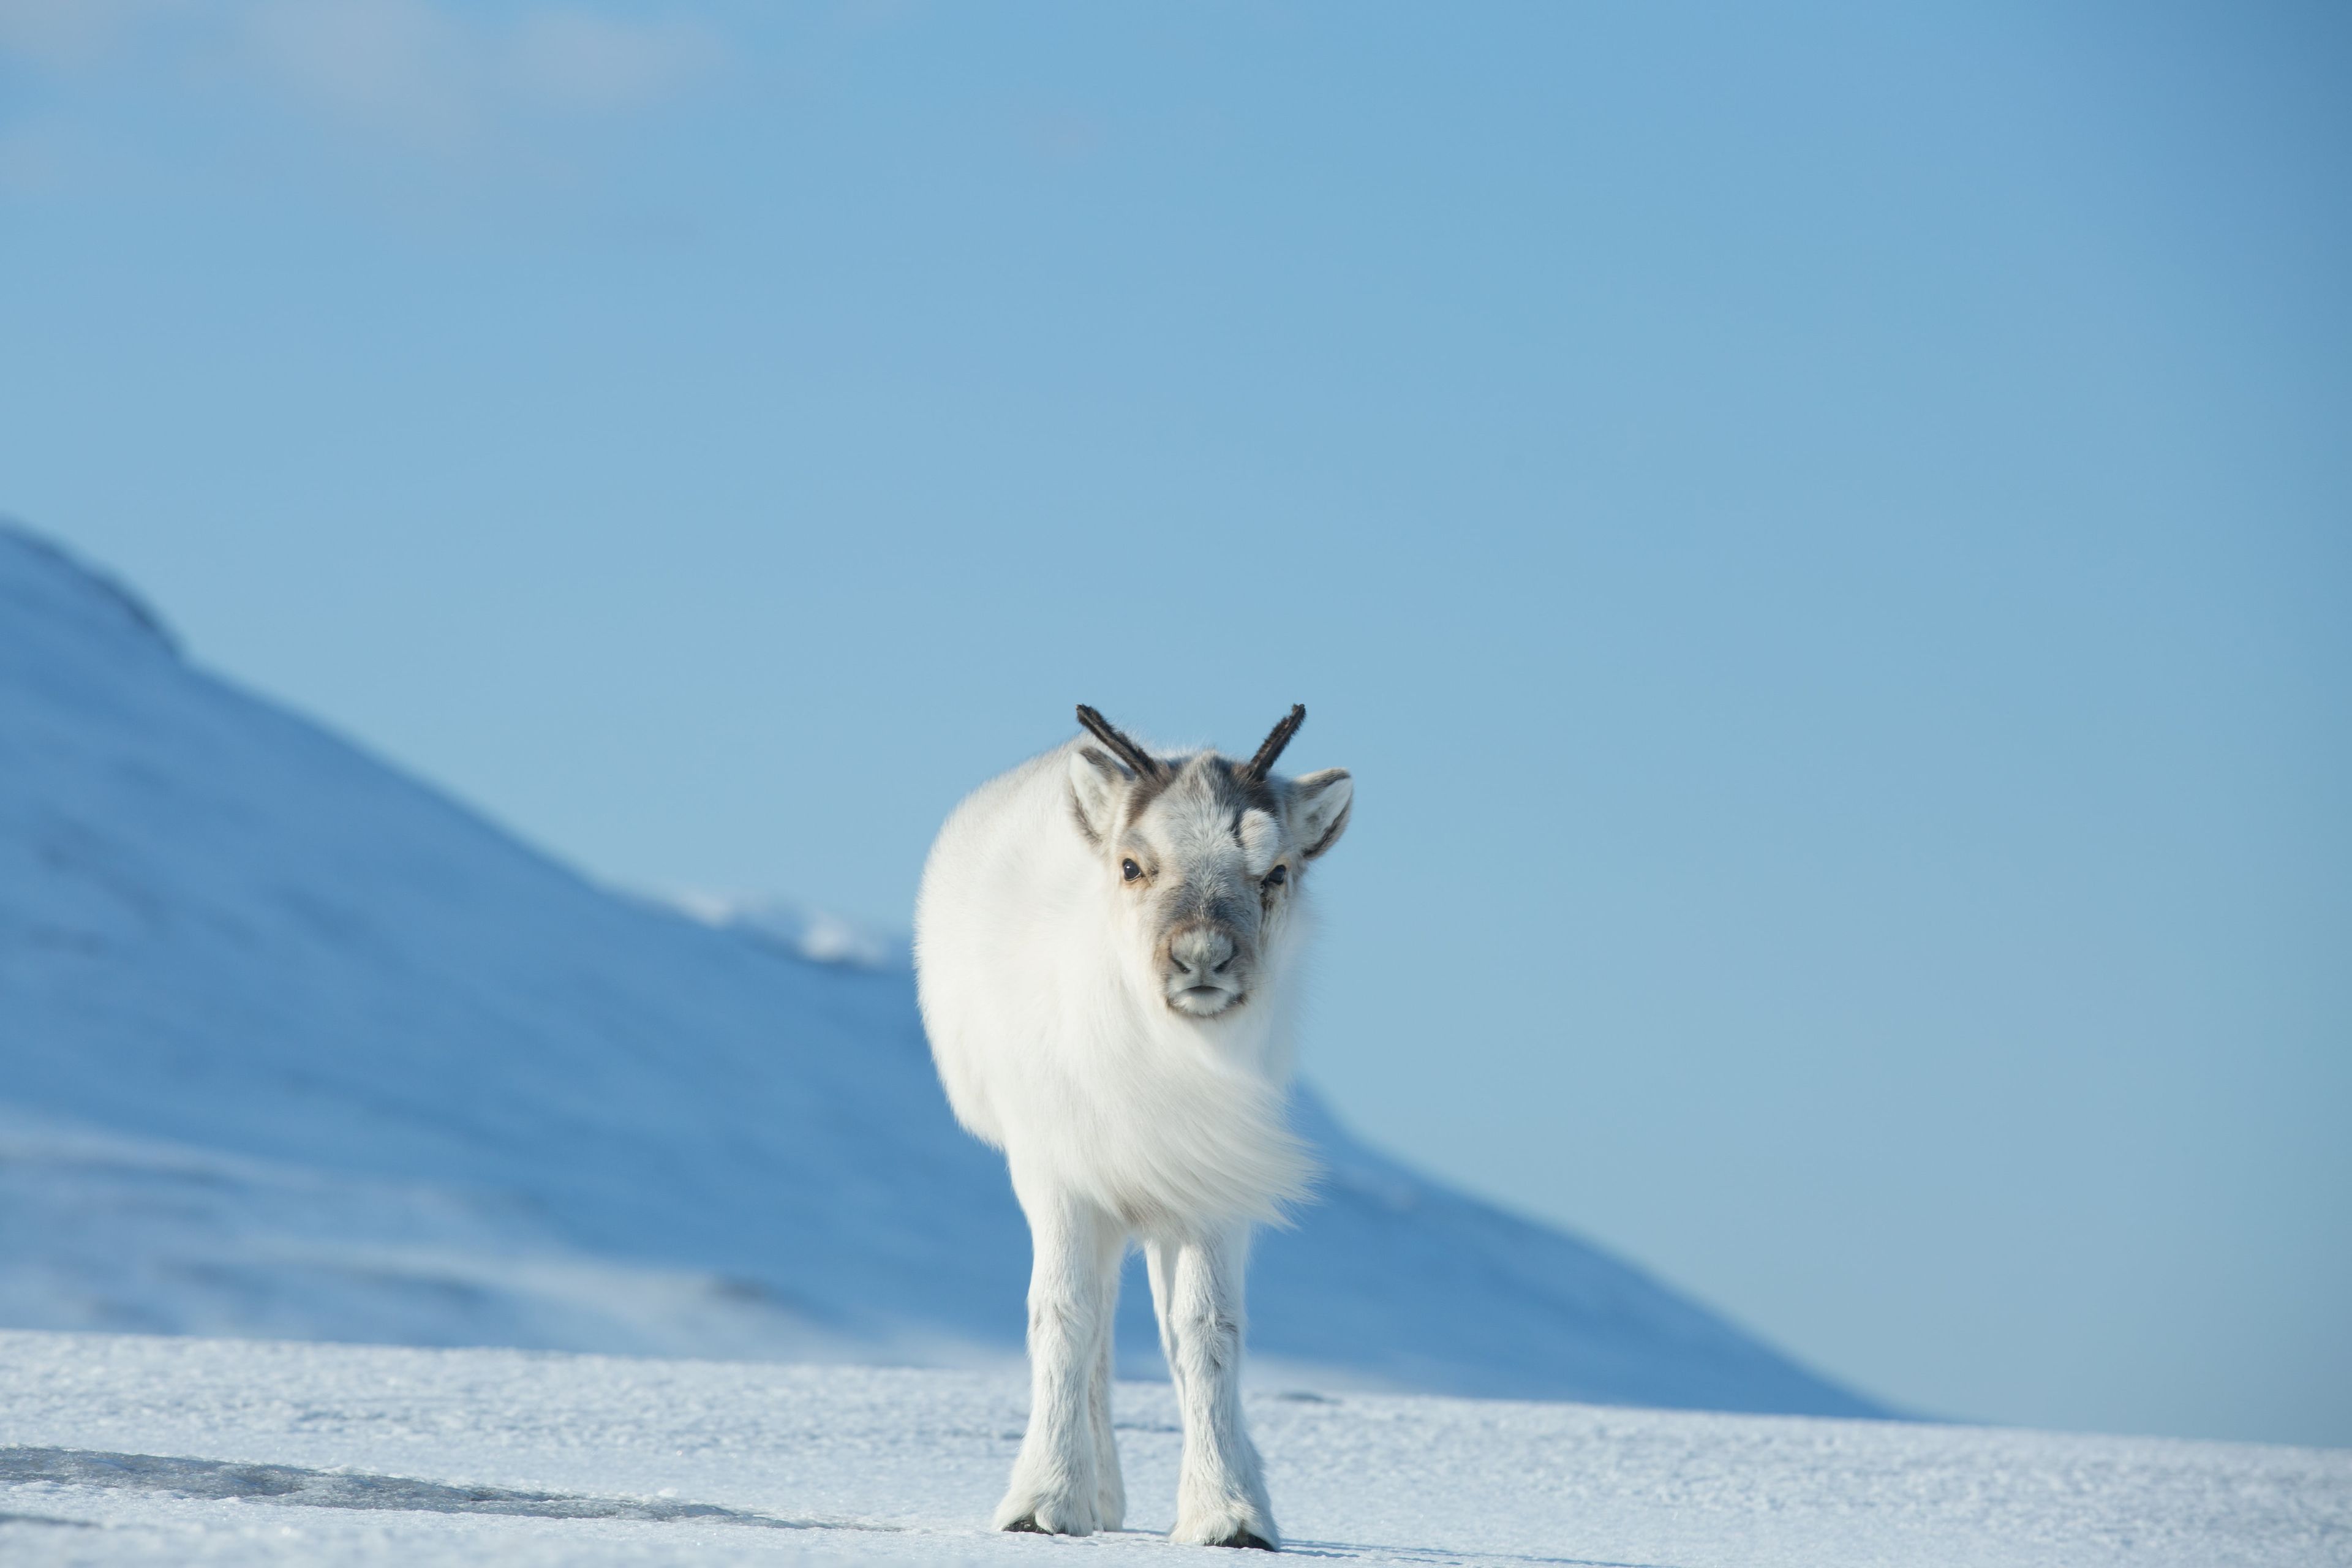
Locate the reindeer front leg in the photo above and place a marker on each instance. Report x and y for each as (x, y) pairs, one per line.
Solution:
(1111, 1495)
(1196, 1287)
(1058, 1484)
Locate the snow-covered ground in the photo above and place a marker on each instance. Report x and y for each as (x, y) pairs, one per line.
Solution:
(119, 1449)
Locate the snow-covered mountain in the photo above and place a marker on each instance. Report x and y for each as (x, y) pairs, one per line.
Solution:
(292, 1045)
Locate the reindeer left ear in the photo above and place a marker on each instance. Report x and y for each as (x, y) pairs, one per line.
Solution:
(1318, 808)
(1096, 783)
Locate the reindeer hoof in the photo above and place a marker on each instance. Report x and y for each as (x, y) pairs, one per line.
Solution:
(1027, 1525)
(1243, 1538)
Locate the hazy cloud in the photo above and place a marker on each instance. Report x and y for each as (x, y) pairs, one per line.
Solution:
(70, 32)
(398, 66)
(570, 59)
(422, 71)
(427, 73)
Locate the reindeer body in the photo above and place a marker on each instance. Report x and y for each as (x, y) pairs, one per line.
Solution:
(1107, 947)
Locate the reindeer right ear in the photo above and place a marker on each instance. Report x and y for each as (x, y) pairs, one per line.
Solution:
(1097, 781)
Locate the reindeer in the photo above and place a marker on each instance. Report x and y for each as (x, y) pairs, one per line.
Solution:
(1106, 948)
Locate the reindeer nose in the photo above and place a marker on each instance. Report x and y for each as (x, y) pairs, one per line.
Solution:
(1198, 952)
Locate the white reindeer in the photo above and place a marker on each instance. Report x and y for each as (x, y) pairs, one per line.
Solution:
(1107, 944)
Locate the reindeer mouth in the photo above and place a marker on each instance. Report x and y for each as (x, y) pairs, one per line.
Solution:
(1204, 1001)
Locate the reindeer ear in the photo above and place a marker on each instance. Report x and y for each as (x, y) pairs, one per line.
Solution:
(1097, 781)
(1318, 808)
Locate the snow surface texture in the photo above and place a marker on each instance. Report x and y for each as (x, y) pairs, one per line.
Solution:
(117, 1449)
(292, 1045)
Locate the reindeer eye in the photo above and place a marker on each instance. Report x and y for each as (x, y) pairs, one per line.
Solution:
(1278, 877)
(1129, 870)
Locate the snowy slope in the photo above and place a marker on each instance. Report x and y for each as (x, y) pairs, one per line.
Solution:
(292, 1045)
(120, 1451)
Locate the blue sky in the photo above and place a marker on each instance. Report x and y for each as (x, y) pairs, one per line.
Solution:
(1822, 535)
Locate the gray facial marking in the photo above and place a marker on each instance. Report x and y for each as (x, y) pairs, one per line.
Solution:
(1208, 911)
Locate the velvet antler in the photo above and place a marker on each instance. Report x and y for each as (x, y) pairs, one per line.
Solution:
(1142, 763)
(1258, 766)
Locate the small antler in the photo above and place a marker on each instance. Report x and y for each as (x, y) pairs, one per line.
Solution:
(1258, 766)
(1141, 763)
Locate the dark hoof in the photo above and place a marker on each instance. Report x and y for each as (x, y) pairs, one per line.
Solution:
(1027, 1525)
(1243, 1538)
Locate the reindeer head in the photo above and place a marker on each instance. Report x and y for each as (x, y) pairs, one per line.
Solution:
(1203, 857)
